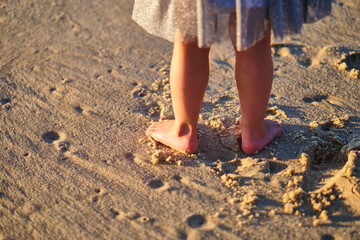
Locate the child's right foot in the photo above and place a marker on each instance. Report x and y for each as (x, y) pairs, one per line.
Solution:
(166, 133)
(252, 143)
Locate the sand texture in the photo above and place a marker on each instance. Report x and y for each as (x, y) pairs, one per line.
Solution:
(79, 84)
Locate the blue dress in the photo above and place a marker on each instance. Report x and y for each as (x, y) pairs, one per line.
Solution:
(248, 21)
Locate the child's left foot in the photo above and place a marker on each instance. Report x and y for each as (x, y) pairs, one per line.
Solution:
(252, 143)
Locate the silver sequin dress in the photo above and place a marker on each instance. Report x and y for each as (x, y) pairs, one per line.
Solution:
(247, 21)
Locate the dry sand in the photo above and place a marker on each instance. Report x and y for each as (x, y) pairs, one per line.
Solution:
(80, 83)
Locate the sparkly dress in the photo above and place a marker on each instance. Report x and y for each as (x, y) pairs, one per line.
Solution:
(245, 21)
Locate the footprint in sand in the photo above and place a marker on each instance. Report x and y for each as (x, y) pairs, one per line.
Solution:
(83, 110)
(132, 216)
(276, 167)
(195, 221)
(114, 213)
(66, 80)
(52, 90)
(139, 90)
(327, 237)
(154, 184)
(129, 156)
(99, 192)
(58, 140)
(5, 103)
(63, 146)
(78, 109)
(79, 31)
(50, 137)
(314, 98)
(136, 93)
(177, 178)
(158, 185)
(328, 101)
(58, 91)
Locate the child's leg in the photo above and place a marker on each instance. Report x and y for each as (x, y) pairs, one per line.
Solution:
(189, 76)
(254, 75)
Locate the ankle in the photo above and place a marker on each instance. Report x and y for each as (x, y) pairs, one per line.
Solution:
(185, 129)
(253, 129)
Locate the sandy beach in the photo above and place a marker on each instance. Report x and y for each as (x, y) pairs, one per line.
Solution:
(79, 84)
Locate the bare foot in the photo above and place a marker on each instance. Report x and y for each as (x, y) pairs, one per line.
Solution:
(166, 133)
(252, 144)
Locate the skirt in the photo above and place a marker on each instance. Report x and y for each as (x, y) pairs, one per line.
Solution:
(247, 21)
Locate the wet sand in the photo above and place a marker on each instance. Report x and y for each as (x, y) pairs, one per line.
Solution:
(79, 84)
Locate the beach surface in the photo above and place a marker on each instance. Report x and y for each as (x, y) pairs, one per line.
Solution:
(80, 83)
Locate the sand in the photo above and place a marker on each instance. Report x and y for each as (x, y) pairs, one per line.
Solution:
(79, 84)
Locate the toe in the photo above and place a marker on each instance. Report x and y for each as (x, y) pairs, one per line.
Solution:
(150, 130)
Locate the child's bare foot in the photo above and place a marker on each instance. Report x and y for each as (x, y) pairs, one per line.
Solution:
(252, 143)
(168, 134)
